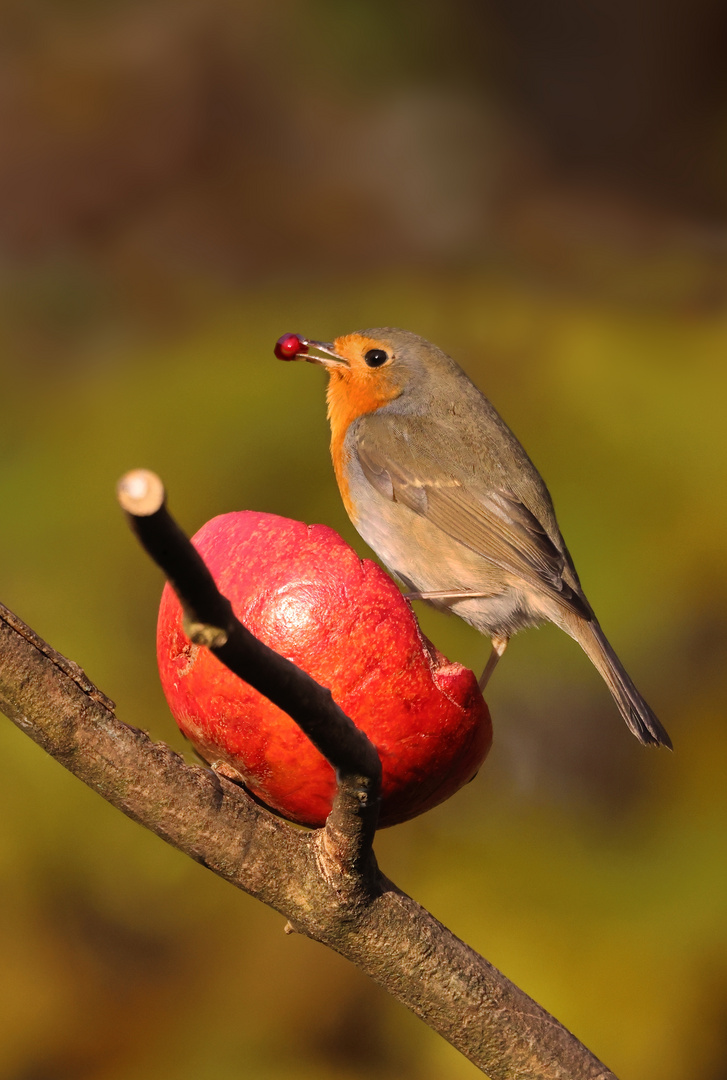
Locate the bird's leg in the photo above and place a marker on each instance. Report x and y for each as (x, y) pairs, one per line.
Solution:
(499, 644)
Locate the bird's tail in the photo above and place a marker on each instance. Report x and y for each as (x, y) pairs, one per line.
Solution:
(637, 714)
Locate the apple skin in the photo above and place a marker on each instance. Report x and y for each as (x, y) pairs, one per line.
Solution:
(305, 592)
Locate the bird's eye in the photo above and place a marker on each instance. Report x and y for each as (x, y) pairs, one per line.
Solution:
(376, 357)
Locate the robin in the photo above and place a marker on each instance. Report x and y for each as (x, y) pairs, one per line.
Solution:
(439, 487)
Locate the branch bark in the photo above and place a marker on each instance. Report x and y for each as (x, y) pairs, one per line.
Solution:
(328, 889)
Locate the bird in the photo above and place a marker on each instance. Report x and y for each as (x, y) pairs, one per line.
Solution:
(443, 492)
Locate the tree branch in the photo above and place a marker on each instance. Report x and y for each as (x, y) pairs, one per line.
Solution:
(360, 915)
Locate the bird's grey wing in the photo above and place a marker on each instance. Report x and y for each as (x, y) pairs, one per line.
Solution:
(491, 521)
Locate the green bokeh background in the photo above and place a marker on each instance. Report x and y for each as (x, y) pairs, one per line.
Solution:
(592, 871)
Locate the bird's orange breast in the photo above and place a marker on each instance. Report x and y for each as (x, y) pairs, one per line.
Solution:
(354, 391)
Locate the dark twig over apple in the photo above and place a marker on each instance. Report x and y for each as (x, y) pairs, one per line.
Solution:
(325, 882)
(210, 621)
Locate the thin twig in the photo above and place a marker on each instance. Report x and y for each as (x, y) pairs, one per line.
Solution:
(210, 621)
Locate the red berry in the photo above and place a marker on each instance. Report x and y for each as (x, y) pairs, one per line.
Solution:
(288, 345)
(306, 593)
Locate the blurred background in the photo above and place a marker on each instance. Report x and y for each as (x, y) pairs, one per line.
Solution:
(540, 189)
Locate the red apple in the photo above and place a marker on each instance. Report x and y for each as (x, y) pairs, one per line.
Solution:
(303, 591)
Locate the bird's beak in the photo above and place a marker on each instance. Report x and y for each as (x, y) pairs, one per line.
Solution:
(331, 358)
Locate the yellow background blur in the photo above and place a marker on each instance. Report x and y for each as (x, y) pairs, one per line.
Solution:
(544, 197)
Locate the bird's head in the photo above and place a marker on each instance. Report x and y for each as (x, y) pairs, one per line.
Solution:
(368, 369)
